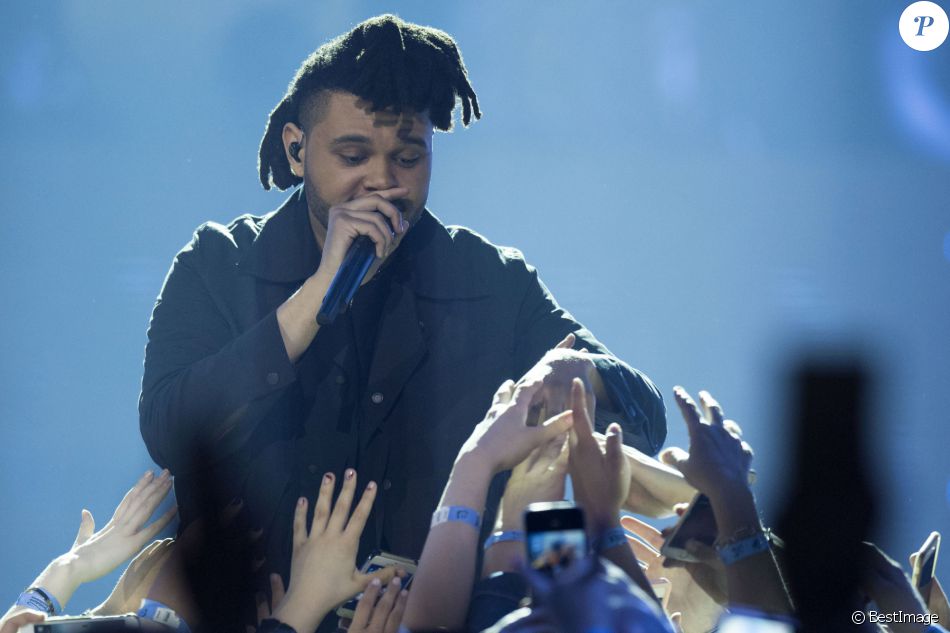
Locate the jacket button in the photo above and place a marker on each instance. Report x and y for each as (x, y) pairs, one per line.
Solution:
(313, 469)
(387, 484)
(377, 398)
(273, 378)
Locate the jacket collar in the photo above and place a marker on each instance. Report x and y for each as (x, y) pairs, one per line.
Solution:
(284, 250)
(428, 260)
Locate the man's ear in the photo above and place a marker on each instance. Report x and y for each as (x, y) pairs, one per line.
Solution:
(293, 138)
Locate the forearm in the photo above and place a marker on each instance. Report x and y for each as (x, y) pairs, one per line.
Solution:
(297, 316)
(620, 555)
(756, 580)
(654, 487)
(60, 578)
(443, 583)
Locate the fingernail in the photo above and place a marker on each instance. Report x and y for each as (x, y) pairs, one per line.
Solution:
(371, 485)
(395, 582)
(301, 501)
(327, 478)
(349, 473)
(374, 582)
(148, 474)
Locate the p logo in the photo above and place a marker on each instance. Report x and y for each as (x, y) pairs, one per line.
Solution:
(924, 26)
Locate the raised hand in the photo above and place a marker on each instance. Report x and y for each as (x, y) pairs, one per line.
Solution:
(601, 478)
(384, 615)
(95, 554)
(323, 571)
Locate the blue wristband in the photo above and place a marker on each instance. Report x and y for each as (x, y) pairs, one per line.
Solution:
(503, 537)
(734, 552)
(609, 540)
(158, 612)
(39, 599)
(452, 514)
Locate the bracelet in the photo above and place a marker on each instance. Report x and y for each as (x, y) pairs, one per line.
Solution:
(609, 540)
(452, 514)
(158, 612)
(503, 537)
(744, 548)
(39, 599)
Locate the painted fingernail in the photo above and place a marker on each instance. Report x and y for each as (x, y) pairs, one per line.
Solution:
(327, 478)
(349, 473)
(300, 502)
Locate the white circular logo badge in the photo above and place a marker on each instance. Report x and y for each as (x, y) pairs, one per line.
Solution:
(924, 26)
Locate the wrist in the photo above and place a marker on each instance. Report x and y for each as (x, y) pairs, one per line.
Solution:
(295, 612)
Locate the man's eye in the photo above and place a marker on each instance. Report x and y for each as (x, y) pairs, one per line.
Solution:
(408, 162)
(352, 159)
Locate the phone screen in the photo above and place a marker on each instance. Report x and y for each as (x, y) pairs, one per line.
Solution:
(698, 523)
(555, 549)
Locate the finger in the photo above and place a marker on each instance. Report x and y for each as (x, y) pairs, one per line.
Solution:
(395, 616)
(615, 456)
(688, 409)
(748, 450)
(561, 423)
(583, 427)
(357, 522)
(711, 408)
(276, 591)
(380, 236)
(321, 511)
(300, 523)
(230, 512)
(263, 609)
(137, 503)
(549, 454)
(642, 551)
(87, 526)
(680, 509)
(525, 392)
(384, 575)
(676, 457)
(646, 532)
(364, 608)
(733, 427)
(130, 496)
(385, 606)
(504, 393)
(381, 223)
(566, 343)
(583, 350)
(159, 524)
(150, 499)
(382, 203)
(343, 502)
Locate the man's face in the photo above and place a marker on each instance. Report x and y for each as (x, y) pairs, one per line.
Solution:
(350, 152)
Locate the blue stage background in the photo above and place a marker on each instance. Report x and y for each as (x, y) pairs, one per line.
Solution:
(710, 189)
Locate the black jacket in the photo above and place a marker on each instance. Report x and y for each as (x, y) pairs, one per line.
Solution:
(224, 409)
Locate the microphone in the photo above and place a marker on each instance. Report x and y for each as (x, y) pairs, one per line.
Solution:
(347, 279)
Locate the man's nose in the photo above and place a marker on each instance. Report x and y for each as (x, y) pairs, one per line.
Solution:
(380, 175)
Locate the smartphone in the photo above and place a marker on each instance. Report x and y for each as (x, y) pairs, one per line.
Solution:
(554, 535)
(744, 623)
(923, 571)
(699, 523)
(97, 624)
(379, 560)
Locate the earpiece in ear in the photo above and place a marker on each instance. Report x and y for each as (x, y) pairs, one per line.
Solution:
(295, 151)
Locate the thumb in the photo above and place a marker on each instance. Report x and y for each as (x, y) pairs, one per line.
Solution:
(675, 457)
(87, 525)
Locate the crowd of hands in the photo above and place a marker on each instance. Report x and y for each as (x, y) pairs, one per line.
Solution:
(610, 591)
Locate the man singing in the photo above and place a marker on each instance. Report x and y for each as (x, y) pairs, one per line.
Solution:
(246, 395)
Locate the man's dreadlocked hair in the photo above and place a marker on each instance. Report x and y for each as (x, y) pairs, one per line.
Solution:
(386, 61)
